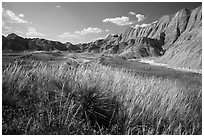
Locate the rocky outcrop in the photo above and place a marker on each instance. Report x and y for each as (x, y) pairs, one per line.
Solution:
(48, 45)
(107, 45)
(177, 39)
(187, 49)
(72, 48)
(142, 47)
(14, 42)
(170, 26)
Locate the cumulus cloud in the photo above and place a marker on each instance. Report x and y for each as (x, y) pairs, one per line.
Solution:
(7, 29)
(120, 21)
(16, 23)
(10, 16)
(89, 30)
(83, 32)
(140, 17)
(155, 21)
(33, 33)
(21, 15)
(136, 26)
(142, 25)
(132, 13)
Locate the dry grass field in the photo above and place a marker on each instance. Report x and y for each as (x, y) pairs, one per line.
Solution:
(91, 98)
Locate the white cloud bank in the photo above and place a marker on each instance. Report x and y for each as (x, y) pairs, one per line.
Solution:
(139, 17)
(11, 17)
(21, 15)
(120, 21)
(16, 23)
(88, 31)
(83, 32)
(144, 24)
(132, 13)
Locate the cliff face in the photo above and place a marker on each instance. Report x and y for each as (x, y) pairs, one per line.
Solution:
(106, 45)
(177, 39)
(187, 49)
(170, 26)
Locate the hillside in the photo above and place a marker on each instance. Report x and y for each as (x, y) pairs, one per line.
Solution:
(179, 36)
(174, 39)
(14, 42)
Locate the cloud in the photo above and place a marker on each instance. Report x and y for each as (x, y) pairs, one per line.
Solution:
(15, 23)
(142, 25)
(58, 6)
(7, 29)
(140, 17)
(33, 33)
(120, 21)
(132, 13)
(78, 34)
(136, 26)
(67, 35)
(21, 15)
(89, 30)
(155, 21)
(10, 16)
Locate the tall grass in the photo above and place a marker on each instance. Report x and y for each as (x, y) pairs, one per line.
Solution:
(95, 99)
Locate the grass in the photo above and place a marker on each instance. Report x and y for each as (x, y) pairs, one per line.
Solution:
(38, 98)
(186, 78)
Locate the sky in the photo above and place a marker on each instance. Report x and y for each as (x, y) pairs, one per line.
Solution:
(82, 22)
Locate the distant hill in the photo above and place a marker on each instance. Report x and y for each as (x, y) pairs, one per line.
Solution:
(173, 39)
(16, 43)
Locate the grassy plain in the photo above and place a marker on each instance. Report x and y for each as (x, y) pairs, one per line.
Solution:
(114, 96)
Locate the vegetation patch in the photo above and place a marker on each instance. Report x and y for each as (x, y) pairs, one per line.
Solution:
(90, 98)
